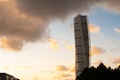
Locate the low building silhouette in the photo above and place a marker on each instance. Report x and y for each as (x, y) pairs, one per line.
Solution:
(5, 76)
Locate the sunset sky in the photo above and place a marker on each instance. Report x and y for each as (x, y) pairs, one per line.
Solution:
(37, 36)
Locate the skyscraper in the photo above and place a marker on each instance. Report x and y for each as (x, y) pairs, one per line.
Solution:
(81, 43)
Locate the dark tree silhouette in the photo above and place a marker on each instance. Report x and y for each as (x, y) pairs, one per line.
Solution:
(100, 73)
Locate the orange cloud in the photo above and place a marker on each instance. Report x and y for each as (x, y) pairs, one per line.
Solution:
(3, 0)
(97, 62)
(21, 67)
(97, 50)
(36, 78)
(70, 47)
(24, 66)
(53, 44)
(61, 68)
(64, 73)
(93, 28)
(63, 76)
(72, 69)
(117, 30)
(11, 44)
(6, 67)
(116, 61)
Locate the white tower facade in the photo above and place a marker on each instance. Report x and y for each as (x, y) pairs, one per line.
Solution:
(81, 43)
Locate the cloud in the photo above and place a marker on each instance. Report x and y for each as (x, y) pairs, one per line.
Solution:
(61, 68)
(3, 0)
(93, 28)
(97, 50)
(112, 41)
(63, 76)
(72, 69)
(22, 67)
(11, 44)
(70, 47)
(28, 20)
(6, 67)
(117, 30)
(116, 61)
(35, 78)
(70, 79)
(49, 9)
(52, 9)
(53, 44)
(111, 5)
(63, 72)
(115, 49)
(15, 67)
(19, 27)
(97, 62)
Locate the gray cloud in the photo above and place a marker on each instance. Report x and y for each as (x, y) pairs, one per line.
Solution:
(49, 9)
(16, 24)
(27, 20)
(16, 28)
(111, 5)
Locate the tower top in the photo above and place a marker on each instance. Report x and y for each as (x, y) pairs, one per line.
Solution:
(80, 15)
(80, 18)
